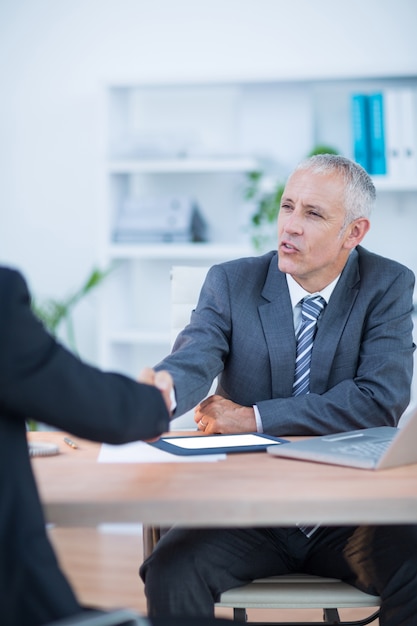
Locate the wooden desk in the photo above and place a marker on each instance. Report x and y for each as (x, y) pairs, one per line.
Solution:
(244, 490)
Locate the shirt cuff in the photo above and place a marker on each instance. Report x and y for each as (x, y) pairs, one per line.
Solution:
(173, 399)
(259, 426)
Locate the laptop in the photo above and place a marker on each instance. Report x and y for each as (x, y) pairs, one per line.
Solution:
(370, 448)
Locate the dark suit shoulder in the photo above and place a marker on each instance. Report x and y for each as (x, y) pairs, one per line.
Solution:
(252, 268)
(371, 262)
(10, 277)
(245, 279)
(13, 290)
(248, 273)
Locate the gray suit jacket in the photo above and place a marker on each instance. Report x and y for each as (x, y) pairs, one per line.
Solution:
(243, 331)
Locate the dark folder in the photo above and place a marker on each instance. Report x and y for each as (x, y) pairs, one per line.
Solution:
(217, 444)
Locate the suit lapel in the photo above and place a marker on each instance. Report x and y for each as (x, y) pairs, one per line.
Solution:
(277, 320)
(332, 323)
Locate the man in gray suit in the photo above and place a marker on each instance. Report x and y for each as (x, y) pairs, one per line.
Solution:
(244, 330)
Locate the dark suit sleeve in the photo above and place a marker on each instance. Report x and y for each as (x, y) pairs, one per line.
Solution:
(40, 379)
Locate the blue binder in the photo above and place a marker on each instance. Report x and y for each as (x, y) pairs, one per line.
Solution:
(376, 134)
(360, 130)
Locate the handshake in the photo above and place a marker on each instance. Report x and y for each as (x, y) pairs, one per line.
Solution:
(161, 380)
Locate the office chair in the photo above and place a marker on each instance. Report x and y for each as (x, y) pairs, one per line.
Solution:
(186, 283)
(297, 591)
(300, 591)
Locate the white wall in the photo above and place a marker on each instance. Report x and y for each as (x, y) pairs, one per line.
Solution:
(57, 54)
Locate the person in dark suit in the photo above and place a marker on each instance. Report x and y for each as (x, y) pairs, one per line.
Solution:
(244, 330)
(40, 379)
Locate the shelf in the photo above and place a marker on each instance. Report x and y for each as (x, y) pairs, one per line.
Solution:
(191, 251)
(383, 183)
(199, 141)
(189, 166)
(136, 337)
(185, 165)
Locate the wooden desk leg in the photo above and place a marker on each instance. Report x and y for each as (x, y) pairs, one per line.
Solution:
(151, 535)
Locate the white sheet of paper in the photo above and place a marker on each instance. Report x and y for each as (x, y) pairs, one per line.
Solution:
(222, 441)
(141, 452)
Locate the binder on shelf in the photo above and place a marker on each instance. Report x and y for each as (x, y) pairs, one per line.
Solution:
(159, 219)
(377, 162)
(408, 99)
(154, 219)
(360, 127)
(393, 132)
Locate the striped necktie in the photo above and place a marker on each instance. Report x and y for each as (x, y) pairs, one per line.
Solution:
(311, 308)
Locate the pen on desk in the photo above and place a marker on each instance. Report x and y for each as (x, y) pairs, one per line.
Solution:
(70, 442)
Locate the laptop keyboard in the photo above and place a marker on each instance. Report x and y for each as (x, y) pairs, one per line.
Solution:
(368, 448)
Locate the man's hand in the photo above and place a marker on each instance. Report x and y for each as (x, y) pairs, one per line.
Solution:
(218, 415)
(162, 380)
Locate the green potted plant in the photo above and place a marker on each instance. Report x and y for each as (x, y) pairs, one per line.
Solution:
(54, 312)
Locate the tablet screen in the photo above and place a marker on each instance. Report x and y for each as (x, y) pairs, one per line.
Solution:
(219, 441)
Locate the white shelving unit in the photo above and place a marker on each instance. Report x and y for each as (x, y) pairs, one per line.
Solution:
(199, 140)
(178, 166)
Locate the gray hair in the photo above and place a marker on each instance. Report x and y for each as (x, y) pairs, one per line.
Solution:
(360, 194)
